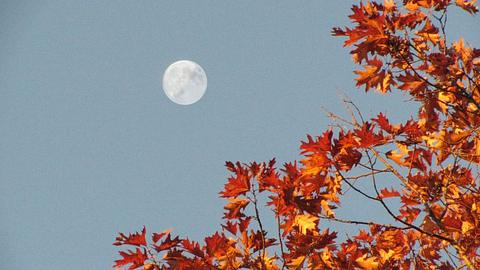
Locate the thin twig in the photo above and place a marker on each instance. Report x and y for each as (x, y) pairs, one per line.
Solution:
(356, 222)
(257, 217)
(280, 241)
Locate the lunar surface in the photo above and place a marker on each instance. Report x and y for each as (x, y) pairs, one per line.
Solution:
(184, 82)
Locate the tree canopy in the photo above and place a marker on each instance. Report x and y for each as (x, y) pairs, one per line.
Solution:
(428, 164)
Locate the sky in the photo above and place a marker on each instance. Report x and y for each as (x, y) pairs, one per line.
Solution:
(90, 145)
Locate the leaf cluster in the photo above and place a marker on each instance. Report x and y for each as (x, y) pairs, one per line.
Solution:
(428, 165)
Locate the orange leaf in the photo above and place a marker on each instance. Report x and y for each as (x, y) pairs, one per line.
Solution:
(369, 76)
(385, 193)
(367, 263)
(235, 207)
(469, 6)
(238, 184)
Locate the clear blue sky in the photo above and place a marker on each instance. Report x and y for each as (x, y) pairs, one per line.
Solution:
(91, 146)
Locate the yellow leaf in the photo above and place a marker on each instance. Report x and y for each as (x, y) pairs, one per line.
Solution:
(459, 45)
(296, 263)
(445, 98)
(327, 209)
(385, 85)
(467, 226)
(432, 141)
(476, 61)
(403, 148)
(469, 6)
(475, 208)
(472, 107)
(453, 191)
(367, 264)
(477, 147)
(306, 222)
(411, 6)
(312, 170)
(268, 262)
(148, 266)
(385, 256)
(397, 155)
(389, 4)
(422, 121)
(326, 257)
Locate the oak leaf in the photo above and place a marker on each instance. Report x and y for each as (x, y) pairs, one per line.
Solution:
(135, 239)
(367, 263)
(467, 226)
(168, 243)
(239, 184)
(385, 193)
(158, 236)
(306, 222)
(468, 6)
(296, 263)
(135, 257)
(386, 255)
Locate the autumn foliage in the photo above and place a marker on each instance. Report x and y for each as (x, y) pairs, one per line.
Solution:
(422, 172)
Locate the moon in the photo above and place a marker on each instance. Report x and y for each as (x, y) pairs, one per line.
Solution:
(184, 82)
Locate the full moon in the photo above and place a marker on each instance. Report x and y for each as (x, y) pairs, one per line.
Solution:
(184, 82)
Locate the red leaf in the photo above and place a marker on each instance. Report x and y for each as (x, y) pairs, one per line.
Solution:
(320, 144)
(412, 83)
(408, 201)
(230, 227)
(135, 258)
(216, 243)
(193, 247)
(370, 76)
(363, 236)
(135, 239)
(238, 184)
(409, 214)
(368, 137)
(158, 236)
(235, 207)
(244, 223)
(383, 122)
(168, 243)
(385, 193)
(337, 31)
